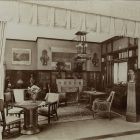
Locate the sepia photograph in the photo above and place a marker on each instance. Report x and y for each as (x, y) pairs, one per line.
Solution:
(69, 69)
(21, 56)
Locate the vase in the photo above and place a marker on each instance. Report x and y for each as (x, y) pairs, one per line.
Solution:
(33, 97)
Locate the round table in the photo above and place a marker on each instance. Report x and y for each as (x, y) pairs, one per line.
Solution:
(30, 116)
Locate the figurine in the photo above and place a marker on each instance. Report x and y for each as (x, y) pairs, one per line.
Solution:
(131, 76)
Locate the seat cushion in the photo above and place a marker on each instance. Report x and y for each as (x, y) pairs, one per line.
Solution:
(15, 110)
(12, 119)
(43, 110)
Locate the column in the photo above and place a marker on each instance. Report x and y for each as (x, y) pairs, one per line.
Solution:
(131, 115)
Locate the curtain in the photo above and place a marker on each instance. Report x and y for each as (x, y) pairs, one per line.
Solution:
(120, 72)
(2, 51)
(43, 15)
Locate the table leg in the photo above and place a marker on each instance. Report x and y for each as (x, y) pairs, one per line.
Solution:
(30, 121)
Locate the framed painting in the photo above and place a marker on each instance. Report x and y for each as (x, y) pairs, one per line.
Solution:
(21, 56)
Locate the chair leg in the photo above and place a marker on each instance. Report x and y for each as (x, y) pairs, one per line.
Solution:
(19, 127)
(56, 115)
(93, 114)
(65, 103)
(49, 119)
(110, 115)
(19, 115)
(3, 131)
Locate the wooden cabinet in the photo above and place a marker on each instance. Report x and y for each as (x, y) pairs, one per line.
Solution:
(117, 50)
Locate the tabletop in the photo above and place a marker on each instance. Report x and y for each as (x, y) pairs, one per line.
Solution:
(28, 104)
(94, 92)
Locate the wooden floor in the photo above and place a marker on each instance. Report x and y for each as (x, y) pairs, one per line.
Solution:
(100, 128)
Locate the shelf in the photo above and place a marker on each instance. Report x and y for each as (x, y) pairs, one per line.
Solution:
(133, 48)
(121, 60)
(120, 51)
(133, 57)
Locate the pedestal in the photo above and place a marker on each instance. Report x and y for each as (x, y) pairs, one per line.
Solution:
(1, 132)
(30, 121)
(131, 115)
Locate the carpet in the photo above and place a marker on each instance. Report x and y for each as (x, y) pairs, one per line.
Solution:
(71, 112)
(74, 112)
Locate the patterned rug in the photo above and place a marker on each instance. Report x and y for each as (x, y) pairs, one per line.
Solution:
(71, 112)
(74, 112)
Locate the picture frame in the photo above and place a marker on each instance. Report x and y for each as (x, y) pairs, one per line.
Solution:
(21, 56)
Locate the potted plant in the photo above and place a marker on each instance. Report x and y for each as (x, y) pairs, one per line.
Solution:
(60, 66)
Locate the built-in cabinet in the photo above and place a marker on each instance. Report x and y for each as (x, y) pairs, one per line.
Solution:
(117, 51)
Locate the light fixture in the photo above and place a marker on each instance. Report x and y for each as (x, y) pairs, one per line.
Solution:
(81, 46)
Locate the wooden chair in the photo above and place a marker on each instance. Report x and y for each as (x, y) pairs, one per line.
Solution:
(103, 105)
(9, 101)
(9, 122)
(49, 107)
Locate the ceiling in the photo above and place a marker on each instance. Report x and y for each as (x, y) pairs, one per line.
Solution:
(122, 9)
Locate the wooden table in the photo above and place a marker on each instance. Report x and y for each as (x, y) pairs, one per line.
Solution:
(30, 116)
(93, 95)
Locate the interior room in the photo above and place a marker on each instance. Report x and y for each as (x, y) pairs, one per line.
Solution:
(69, 70)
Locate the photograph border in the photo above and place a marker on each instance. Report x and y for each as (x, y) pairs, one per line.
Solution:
(28, 62)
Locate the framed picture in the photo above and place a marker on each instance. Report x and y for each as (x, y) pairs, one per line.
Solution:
(21, 56)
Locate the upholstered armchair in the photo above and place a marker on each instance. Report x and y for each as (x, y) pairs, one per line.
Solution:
(9, 122)
(101, 106)
(9, 100)
(49, 107)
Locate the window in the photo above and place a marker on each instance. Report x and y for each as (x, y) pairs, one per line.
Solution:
(120, 72)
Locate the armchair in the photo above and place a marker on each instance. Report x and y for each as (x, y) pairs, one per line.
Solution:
(9, 100)
(8, 122)
(49, 107)
(103, 105)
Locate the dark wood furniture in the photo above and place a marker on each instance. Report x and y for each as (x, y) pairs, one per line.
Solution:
(49, 110)
(117, 50)
(30, 116)
(9, 101)
(9, 122)
(93, 95)
(49, 107)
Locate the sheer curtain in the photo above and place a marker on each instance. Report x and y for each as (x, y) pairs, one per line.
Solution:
(120, 72)
(2, 51)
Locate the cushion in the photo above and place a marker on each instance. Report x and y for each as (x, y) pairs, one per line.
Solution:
(15, 110)
(52, 97)
(12, 119)
(43, 109)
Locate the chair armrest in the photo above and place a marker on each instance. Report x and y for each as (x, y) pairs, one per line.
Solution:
(42, 104)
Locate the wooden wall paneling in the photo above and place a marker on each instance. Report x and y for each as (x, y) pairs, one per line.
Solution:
(44, 79)
(23, 75)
